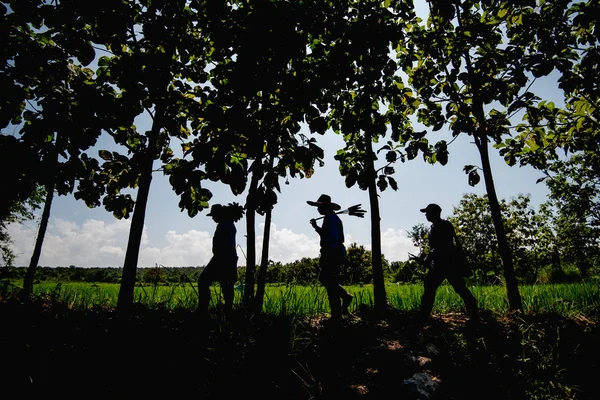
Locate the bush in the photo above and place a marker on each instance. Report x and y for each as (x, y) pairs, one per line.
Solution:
(410, 271)
(569, 273)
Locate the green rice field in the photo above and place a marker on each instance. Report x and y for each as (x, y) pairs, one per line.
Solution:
(563, 299)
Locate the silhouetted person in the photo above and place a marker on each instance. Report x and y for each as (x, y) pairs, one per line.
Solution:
(333, 255)
(441, 263)
(222, 267)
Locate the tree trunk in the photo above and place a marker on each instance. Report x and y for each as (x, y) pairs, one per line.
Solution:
(39, 241)
(379, 294)
(481, 141)
(250, 232)
(126, 291)
(264, 264)
(512, 287)
(556, 264)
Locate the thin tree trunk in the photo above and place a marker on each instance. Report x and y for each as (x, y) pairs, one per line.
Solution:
(379, 294)
(39, 241)
(264, 264)
(481, 141)
(250, 232)
(512, 287)
(556, 263)
(126, 291)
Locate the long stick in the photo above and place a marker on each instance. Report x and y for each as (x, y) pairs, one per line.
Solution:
(354, 211)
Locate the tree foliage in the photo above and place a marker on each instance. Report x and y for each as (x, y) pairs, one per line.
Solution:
(234, 83)
(472, 65)
(20, 212)
(539, 239)
(575, 199)
(361, 83)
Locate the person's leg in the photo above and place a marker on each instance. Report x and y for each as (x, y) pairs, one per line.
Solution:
(207, 277)
(228, 292)
(203, 293)
(460, 287)
(345, 296)
(327, 277)
(227, 282)
(335, 303)
(432, 281)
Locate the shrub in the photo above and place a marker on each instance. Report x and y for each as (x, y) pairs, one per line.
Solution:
(569, 273)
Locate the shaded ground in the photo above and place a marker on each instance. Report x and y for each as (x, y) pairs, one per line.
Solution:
(51, 350)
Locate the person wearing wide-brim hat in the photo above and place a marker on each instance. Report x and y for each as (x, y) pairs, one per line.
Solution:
(333, 254)
(222, 267)
(443, 245)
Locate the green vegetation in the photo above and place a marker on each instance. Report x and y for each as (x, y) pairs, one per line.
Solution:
(69, 338)
(568, 300)
(236, 102)
(291, 351)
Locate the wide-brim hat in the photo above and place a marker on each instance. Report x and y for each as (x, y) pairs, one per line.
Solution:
(324, 201)
(432, 208)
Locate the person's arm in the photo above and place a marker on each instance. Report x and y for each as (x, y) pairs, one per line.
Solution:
(429, 256)
(317, 228)
(217, 240)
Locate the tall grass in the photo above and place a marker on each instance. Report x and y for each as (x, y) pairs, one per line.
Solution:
(290, 299)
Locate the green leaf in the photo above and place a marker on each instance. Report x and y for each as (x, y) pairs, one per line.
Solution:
(442, 156)
(474, 178)
(382, 183)
(351, 178)
(391, 156)
(85, 53)
(105, 155)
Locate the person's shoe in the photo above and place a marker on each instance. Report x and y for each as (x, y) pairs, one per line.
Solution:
(346, 302)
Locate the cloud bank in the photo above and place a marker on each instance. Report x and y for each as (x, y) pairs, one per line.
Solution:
(96, 243)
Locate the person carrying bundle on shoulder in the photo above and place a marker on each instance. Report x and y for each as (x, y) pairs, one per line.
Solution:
(222, 266)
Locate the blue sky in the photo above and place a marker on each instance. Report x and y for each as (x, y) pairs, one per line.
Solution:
(87, 237)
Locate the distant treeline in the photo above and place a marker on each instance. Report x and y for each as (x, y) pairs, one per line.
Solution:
(304, 271)
(358, 270)
(72, 273)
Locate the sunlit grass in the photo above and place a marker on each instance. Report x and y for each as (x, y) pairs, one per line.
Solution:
(290, 299)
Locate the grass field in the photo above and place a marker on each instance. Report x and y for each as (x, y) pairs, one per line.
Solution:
(563, 299)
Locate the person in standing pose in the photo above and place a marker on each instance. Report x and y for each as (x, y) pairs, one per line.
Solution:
(222, 267)
(333, 255)
(441, 262)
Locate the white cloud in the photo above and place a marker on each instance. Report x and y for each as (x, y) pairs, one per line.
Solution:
(91, 244)
(396, 245)
(102, 244)
(286, 246)
(99, 244)
(192, 248)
